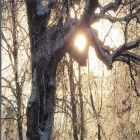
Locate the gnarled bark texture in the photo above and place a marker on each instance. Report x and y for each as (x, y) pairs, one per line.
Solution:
(40, 110)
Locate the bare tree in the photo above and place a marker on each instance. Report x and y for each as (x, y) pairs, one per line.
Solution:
(14, 76)
(50, 41)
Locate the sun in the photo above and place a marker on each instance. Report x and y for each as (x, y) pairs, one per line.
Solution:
(80, 42)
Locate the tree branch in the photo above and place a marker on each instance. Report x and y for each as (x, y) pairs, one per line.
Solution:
(135, 88)
(122, 59)
(124, 47)
(8, 101)
(108, 59)
(114, 19)
(97, 45)
(11, 87)
(3, 37)
(135, 6)
(90, 7)
(111, 6)
(131, 55)
(9, 48)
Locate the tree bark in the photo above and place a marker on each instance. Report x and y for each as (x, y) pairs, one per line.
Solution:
(15, 52)
(45, 58)
(73, 101)
(99, 134)
(40, 110)
(81, 106)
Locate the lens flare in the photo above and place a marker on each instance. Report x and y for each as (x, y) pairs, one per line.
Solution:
(80, 42)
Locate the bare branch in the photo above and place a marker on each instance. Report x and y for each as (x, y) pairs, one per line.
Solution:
(91, 5)
(124, 47)
(108, 59)
(9, 48)
(114, 19)
(135, 6)
(11, 87)
(122, 59)
(111, 6)
(6, 67)
(8, 101)
(97, 45)
(3, 37)
(60, 17)
(135, 88)
(131, 55)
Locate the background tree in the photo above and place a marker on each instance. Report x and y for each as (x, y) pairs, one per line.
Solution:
(15, 66)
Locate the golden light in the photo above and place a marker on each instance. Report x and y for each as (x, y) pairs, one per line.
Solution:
(80, 42)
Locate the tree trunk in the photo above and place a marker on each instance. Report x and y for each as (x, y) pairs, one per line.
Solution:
(81, 106)
(18, 88)
(45, 58)
(19, 115)
(40, 110)
(73, 101)
(99, 134)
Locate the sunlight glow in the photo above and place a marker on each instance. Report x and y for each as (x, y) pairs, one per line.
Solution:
(80, 42)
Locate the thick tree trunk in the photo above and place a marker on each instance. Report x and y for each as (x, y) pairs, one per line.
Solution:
(45, 58)
(40, 110)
